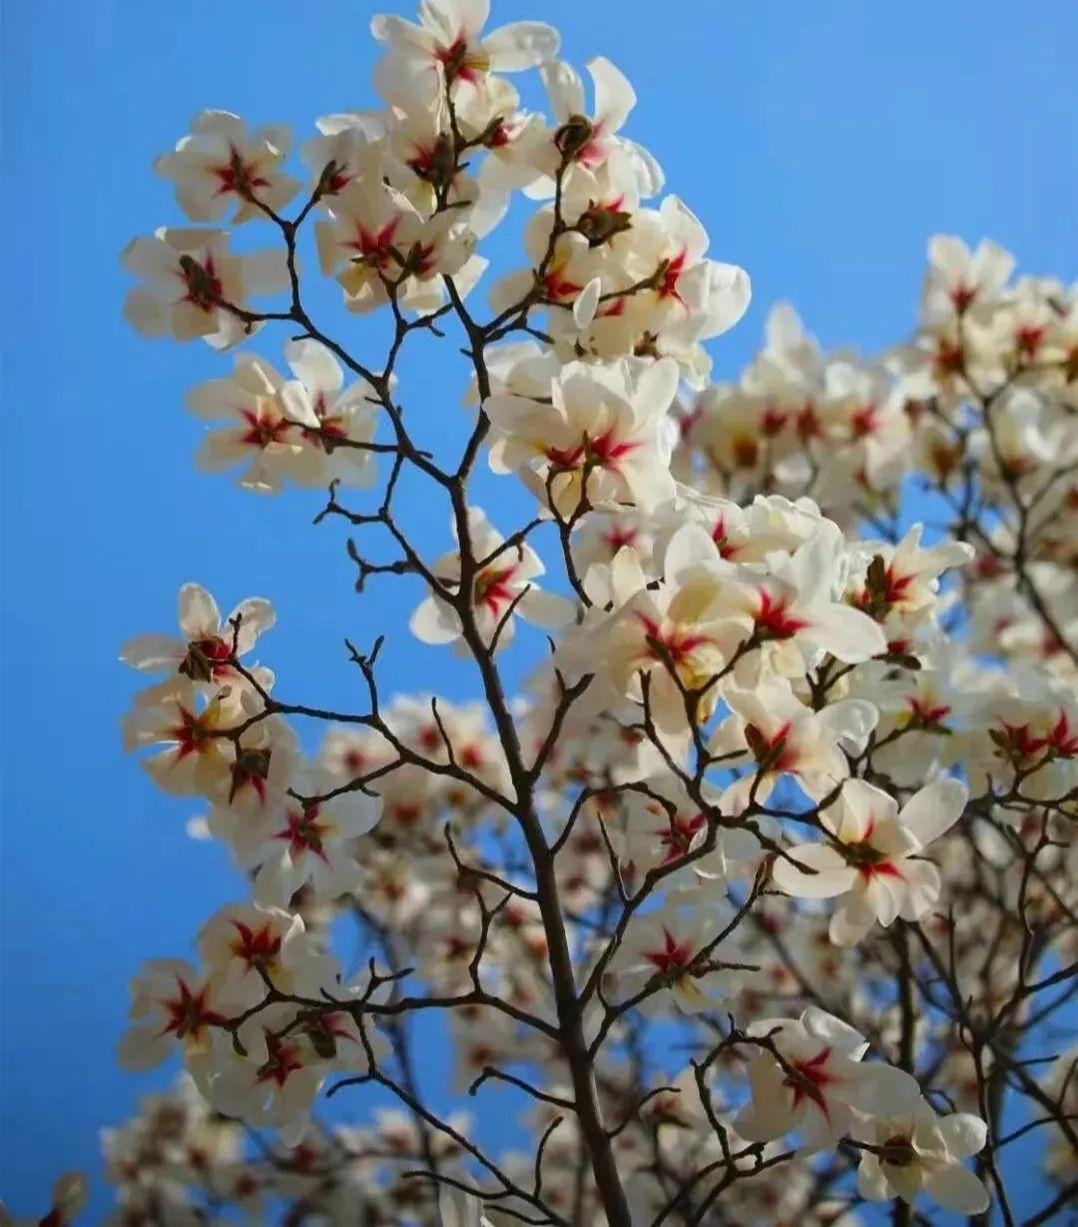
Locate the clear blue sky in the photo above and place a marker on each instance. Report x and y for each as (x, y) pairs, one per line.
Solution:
(821, 145)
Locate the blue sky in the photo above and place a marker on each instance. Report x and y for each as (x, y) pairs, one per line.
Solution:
(820, 144)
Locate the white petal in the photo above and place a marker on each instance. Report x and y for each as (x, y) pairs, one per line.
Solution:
(852, 636)
(935, 809)
(433, 623)
(963, 1134)
(832, 877)
(586, 302)
(882, 1090)
(546, 609)
(199, 616)
(614, 96)
(152, 653)
(958, 1189)
(523, 44)
(256, 615)
(315, 365)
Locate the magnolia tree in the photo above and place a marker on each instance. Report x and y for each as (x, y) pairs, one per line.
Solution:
(757, 905)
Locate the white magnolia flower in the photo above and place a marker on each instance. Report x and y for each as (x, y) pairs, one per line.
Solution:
(874, 857)
(273, 1077)
(194, 286)
(503, 587)
(604, 436)
(916, 1151)
(783, 736)
(448, 46)
(588, 141)
(202, 751)
(244, 945)
(171, 1003)
(209, 641)
(220, 165)
(457, 1209)
(304, 844)
(667, 950)
(792, 610)
(821, 1083)
(960, 281)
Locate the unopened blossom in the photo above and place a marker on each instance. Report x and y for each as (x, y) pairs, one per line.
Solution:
(502, 588)
(821, 1083)
(457, 1209)
(221, 166)
(873, 856)
(193, 286)
(916, 1152)
(603, 439)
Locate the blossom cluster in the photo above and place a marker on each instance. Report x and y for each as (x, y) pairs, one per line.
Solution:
(746, 901)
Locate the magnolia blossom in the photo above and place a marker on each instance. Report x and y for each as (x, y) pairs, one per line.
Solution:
(194, 287)
(310, 430)
(222, 166)
(820, 1084)
(589, 141)
(244, 946)
(503, 587)
(874, 856)
(961, 281)
(301, 844)
(673, 638)
(208, 745)
(388, 247)
(790, 609)
(171, 1004)
(785, 737)
(447, 46)
(209, 643)
(604, 438)
(670, 951)
(916, 1151)
(271, 1078)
